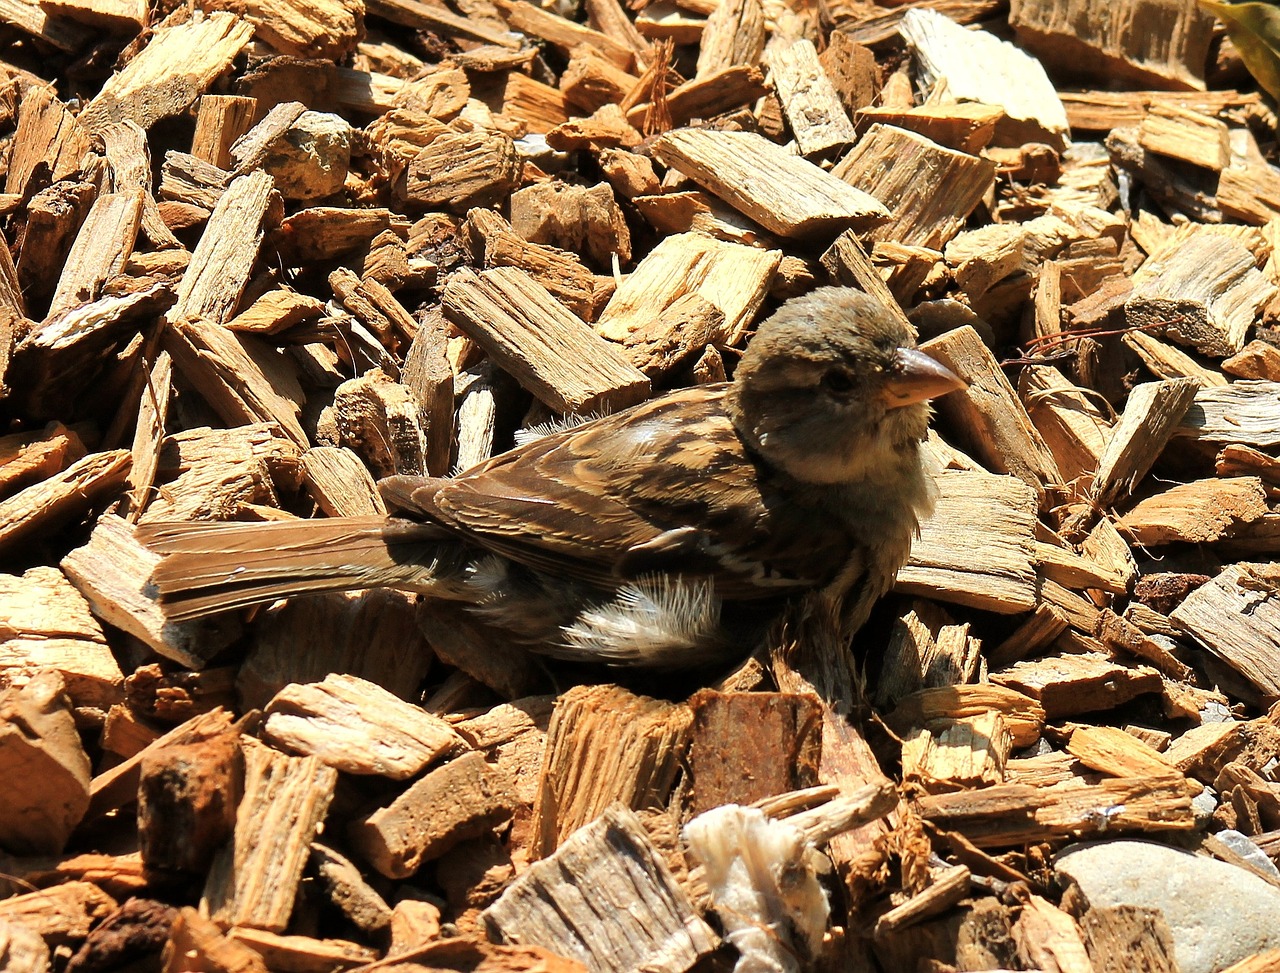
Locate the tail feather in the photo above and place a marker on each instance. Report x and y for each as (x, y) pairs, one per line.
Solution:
(212, 567)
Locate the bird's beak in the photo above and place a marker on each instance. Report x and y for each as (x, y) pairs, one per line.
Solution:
(916, 378)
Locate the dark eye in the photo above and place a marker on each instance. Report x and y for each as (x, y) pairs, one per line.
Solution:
(838, 381)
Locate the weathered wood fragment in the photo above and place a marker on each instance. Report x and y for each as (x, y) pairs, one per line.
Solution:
(930, 190)
(463, 798)
(605, 745)
(357, 727)
(547, 349)
(44, 761)
(254, 879)
(783, 193)
(610, 860)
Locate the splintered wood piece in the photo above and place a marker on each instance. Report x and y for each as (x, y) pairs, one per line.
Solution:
(118, 786)
(187, 179)
(1249, 191)
(686, 328)
(277, 310)
(1058, 563)
(477, 416)
(327, 29)
(130, 160)
(412, 13)
(590, 81)
(562, 33)
(460, 170)
(44, 762)
(1106, 42)
(951, 754)
(55, 361)
(514, 735)
(926, 648)
(48, 137)
(999, 432)
(1011, 815)
(980, 67)
(1110, 553)
(783, 193)
(188, 792)
(112, 572)
(548, 350)
(539, 106)
(1112, 751)
(1071, 683)
(605, 745)
(220, 121)
(493, 243)
(965, 127)
(1039, 631)
(649, 925)
(427, 373)
(579, 219)
(1245, 413)
(809, 99)
(224, 257)
(243, 380)
(1199, 512)
(69, 493)
(717, 93)
(1165, 361)
(147, 90)
(847, 262)
(1023, 717)
(948, 887)
(1123, 938)
(328, 232)
(62, 915)
(339, 483)
(734, 278)
(48, 626)
(1046, 936)
(221, 474)
(100, 251)
(1134, 633)
(301, 952)
(930, 190)
(357, 727)
(463, 798)
(734, 35)
(1257, 359)
(780, 753)
(978, 546)
(199, 940)
(254, 879)
(1182, 133)
(383, 421)
(1236, 616)
(374, 306)
(1150, 418)
(1206, 291)
(1068, 420)
(1242, 461)
(148, 434)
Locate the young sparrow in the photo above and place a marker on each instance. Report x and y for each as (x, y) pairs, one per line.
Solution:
(665, 536)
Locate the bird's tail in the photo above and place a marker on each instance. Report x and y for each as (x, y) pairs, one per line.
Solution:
(212, 567)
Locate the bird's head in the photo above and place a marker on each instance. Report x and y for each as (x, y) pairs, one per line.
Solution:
(832, 389)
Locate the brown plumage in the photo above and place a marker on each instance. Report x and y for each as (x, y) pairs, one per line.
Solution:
(665, 535)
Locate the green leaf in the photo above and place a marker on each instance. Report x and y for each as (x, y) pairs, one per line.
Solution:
(1254, 28)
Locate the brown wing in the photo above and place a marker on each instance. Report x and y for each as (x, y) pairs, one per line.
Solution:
(667, 486)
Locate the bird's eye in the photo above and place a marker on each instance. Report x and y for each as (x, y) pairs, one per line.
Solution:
(838, 381)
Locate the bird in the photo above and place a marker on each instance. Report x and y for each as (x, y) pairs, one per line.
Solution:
(667, 536)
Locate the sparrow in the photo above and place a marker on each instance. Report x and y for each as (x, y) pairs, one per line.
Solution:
(668, 535)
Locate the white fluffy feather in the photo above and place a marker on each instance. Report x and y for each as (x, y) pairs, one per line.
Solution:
(664, 619)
